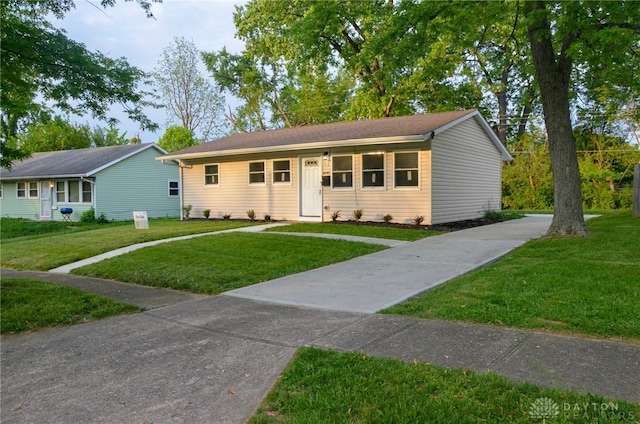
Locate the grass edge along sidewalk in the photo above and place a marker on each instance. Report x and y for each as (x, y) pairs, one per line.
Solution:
(320, 386)
(584, 286)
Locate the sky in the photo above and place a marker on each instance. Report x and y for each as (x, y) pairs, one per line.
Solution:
(125, 31)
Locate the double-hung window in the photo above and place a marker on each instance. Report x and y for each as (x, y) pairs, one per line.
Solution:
(406, 169)
(342, 171)
(256, 172)
(281, 171)
(21, 190)
(174, 188)
(211, 174)
(373, 170)
(61, 191)
(27, 190)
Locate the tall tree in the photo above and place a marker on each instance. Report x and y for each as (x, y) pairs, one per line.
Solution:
(596, 43)
(41, 64)
(175, 138)
(188, 96)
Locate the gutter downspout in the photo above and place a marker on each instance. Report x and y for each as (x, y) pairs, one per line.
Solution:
(94, 197)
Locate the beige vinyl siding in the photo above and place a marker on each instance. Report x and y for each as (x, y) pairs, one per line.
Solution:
(466, 178)
(403, 204)
(234, 195)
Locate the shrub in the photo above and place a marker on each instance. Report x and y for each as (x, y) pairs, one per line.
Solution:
(357, 215)
(267, 217)
(387, 218)
(186, 210)
(226, 216)
(251, 214)
(418, 220)
(206, 213)
(335, 215)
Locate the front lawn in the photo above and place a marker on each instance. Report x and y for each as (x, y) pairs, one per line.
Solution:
(329, 387)
(587, 286)
(27, 305)
(218, 263)
(55, 250)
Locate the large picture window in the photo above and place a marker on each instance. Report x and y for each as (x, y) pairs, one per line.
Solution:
(281, 171)
(74, 191)
(256, 173)
(406, 169)
(342, 171)
(373, 170)
(211, 174)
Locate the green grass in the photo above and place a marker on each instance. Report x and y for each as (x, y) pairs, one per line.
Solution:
(329, 387)
(214, 264)
(28, 305)
(588, 286)
(361, 230)
(53, 250)
(11, 228)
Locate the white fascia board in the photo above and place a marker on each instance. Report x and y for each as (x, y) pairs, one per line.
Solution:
(120, 159)
(43, 177)
(297, 147)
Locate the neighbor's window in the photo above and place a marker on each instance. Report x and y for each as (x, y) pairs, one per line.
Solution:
(342, 171)
(73, 194)
(406, 169)
(256, 173)
(21, 190)
(281, 171)
(61, 192)
(1, 190)
(211, 175)
(174, 188)
(86, 192)
(34, 190)
(373, 170)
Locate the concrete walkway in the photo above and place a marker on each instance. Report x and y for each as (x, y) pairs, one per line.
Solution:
(206, 359)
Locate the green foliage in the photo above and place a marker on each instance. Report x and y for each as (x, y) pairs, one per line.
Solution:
(251, 214)
(175, 138)
(89, 216)
(29, 305)
(206, 213)
(387, 218)
(186, 211)
(41, 66)
(360, 230)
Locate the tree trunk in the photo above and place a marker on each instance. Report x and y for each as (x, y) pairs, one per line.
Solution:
(553, 76)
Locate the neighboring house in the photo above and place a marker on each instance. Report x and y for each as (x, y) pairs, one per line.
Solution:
(114, 180)
(443, 166)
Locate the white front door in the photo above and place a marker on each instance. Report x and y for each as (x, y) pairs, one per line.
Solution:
(45, 201)
(311, 187)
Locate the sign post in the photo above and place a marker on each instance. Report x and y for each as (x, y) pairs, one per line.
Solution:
(141, 221)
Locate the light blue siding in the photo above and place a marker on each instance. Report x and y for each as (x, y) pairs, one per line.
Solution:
(11, 206)
(138, 183)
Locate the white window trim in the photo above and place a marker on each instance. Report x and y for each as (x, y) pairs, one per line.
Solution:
(171, 196)
(205, 175)
(384, 171)
(273, 172)
(66, 192)
(263, 172)
(353, 183)
(27, 190)
(416, 187)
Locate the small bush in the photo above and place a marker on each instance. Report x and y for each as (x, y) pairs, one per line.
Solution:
(357, 215)
(267, 217)
(418, 220)
(206, 213)
(335, 215)
(387, 218)
(88, 216)
(251, 214)
(186, 210)
(226, 216)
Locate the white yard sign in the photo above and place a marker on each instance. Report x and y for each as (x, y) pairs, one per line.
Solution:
(141, 221)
